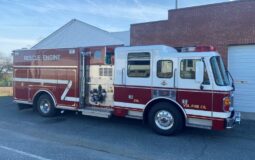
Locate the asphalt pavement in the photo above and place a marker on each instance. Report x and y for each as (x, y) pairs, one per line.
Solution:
(24, 135)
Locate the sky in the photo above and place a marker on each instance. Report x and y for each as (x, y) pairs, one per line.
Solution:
(23, 23)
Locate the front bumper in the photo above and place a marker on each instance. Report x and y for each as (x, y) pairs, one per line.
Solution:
(234, 119)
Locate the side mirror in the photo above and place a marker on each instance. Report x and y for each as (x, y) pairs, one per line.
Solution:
(199, 72)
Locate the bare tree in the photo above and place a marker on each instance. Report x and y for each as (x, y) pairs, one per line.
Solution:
(5, 65)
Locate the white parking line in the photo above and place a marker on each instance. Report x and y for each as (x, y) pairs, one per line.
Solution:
(24, 153)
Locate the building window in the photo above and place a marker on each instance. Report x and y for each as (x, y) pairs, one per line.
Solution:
(165, 69)
(105, 72)
(138, 65)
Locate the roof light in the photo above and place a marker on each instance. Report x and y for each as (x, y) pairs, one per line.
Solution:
(205, 49)
(188, 49)
(198, 49)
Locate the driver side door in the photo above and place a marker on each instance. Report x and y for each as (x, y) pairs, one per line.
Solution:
(193, 96)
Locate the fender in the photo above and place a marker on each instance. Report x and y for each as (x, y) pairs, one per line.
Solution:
(48, 92)
(168, 99)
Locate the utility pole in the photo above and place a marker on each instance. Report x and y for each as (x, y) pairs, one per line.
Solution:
(176, 4)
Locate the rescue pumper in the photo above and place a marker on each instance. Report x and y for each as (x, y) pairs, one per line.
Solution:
(165, 88)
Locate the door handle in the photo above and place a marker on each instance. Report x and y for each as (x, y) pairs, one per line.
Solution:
(174, 76)
(122, 76)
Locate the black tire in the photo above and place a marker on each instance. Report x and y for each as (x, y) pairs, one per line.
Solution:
(171, 121)
(45, 106)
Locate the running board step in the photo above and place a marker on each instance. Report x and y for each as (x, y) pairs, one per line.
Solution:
(96, 112)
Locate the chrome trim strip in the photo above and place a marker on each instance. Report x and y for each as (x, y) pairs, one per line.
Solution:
(232, 121)
(66, 107)
(199, 123)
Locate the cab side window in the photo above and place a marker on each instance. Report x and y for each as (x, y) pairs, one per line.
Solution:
(138, 65)
(188, 70)
(165, 69)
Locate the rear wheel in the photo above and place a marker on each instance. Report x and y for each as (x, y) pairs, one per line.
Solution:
(165, 119)
(45, 106)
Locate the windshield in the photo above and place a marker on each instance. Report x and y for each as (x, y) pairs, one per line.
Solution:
(219, 72)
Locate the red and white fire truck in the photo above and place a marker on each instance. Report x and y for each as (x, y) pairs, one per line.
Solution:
(165, 88)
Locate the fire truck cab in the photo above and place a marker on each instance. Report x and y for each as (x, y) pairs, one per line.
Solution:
(165, 88)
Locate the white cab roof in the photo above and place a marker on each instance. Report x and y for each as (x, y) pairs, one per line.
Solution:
(164, 51)
(149, 47)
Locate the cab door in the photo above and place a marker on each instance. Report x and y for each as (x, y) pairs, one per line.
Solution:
(137, 79)
(163, 73)
(164, 78)
(192, 95)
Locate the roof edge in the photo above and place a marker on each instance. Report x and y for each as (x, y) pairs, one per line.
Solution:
(211, 5)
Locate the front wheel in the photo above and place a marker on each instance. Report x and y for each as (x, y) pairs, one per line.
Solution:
(165, 119)
(45, 106)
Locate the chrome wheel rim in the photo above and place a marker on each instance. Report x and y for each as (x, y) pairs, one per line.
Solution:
(45, 106)
(164, 120)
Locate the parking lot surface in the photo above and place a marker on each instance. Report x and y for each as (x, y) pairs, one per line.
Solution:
(26, 135)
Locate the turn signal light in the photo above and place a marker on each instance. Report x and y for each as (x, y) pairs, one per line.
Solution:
(226, 104)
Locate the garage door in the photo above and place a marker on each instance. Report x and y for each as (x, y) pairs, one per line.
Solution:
(241, 64)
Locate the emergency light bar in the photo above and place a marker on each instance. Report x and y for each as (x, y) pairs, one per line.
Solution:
(198, 49)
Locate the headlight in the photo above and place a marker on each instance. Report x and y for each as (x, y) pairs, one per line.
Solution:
(226, 104)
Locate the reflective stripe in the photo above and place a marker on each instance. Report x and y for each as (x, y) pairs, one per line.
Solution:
(72, 99)
(69, 85)
(129, 105)
(208, 113)
(55, 67)
(52, 81)
(221, 114)
(188, 111)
